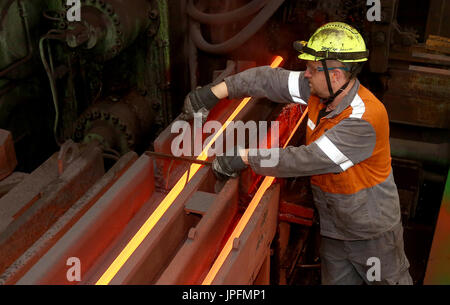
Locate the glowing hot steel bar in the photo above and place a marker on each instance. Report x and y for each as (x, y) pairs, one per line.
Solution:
(169, 199)
(267, 182)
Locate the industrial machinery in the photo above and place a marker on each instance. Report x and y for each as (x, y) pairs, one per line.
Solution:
(92, 190)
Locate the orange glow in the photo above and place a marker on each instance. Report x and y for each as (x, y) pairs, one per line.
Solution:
(145, 229)
(267, 182)
(277, 61)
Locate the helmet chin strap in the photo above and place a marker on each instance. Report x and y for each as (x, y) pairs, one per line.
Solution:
(333, 95)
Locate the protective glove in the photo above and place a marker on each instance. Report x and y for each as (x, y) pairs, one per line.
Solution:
(229, 165)
(200, 100)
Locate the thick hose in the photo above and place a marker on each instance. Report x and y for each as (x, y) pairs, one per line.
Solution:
(241, 37)
(223, 18)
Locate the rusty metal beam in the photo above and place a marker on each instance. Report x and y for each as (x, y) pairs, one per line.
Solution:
(249, 250)
(64, 223)
(52, 202)
(98, 228)
(27, 191)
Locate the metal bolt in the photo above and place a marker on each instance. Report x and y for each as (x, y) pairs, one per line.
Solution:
(62, 25)
(109, 9)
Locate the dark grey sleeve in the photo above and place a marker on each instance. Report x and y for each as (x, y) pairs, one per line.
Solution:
(346, 144)
(276, 84)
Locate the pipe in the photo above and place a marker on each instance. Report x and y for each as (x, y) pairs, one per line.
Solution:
(421, 151)
(228, 17)
(254, 26)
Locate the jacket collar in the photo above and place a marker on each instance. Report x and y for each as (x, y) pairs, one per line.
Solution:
(346, 101)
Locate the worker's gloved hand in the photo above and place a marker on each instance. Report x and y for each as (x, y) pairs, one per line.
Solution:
(228, 165)
(200, 100)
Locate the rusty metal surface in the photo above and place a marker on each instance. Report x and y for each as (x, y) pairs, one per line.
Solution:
(263, 277)
(294, 213)
(418, 98)
(192, 261)
(53, 201)
(438, 43)
(27, 191)
(38, 249)
(10, 182)
(249, 250)
(381, 34)
(97, 228)
(8, 159)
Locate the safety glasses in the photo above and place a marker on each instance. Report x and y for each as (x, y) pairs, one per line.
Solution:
(321, 69)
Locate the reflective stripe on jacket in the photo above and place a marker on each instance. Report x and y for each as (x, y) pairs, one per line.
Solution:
(347, 154)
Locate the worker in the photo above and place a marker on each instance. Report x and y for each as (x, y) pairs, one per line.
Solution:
(347, 154)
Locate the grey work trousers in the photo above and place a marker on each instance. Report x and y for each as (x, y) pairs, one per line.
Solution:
(352, 262)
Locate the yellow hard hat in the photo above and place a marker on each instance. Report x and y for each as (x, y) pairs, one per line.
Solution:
(334, 41)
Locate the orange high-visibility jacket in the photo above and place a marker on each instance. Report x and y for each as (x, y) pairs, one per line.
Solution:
(347, 154)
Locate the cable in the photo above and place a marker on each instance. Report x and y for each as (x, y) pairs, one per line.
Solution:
(52, 34)
(241, 37)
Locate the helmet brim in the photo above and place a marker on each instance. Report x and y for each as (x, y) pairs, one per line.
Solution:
(305, 56)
